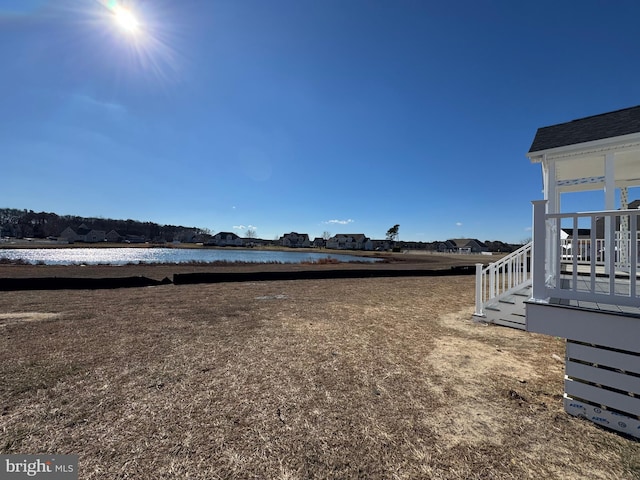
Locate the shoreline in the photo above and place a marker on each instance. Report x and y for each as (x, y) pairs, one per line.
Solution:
(158, 271)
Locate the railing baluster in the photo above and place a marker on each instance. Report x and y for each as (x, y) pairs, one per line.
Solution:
(592, 266)
(574, 260)
(633, 256)
(611, 254)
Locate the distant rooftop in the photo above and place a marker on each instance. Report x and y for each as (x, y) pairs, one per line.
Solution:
(588, 129)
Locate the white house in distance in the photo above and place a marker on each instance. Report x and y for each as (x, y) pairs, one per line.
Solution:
(591, 300)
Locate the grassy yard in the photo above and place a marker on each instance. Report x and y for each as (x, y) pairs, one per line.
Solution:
(371, 378)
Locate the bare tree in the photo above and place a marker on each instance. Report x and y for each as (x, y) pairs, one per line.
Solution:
(250, 233)
(326, 235)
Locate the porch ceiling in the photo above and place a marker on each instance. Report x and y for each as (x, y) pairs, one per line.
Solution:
(586, 171)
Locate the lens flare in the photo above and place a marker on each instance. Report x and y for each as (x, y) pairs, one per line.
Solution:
(122, 15)
(126, 19)
(136, 38)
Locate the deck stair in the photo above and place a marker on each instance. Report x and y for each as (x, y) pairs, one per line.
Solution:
(509, 310)
(503, 287)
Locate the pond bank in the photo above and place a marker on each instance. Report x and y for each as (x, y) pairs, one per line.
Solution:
(94, 283)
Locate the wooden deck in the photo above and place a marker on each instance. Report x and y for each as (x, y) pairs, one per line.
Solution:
(603, 284)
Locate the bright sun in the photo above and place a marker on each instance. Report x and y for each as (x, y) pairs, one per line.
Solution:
(126, 19)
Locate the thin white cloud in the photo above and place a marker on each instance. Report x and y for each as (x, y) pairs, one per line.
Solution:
(527, 229)
(340, 222)
(458, 224)
(244, 227)
(94, 102)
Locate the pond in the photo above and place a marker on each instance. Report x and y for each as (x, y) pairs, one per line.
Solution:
(127, 255)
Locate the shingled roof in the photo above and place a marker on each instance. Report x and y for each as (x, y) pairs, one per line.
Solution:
(597, 127)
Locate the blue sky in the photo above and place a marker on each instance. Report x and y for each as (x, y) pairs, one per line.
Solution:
(347, 116)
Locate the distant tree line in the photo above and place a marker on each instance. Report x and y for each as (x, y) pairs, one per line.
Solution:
(27, 223)
(494, 246)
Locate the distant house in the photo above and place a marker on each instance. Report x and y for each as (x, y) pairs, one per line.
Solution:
(135, 239)
(69, 235)
(580, 246)
(253, 242)
(225, 239)
(201, 238)
(350, 241)
(381, 245)
(445, 247)
(319, 242)
(499, 246)
(413, 245)
(113, 237)
(83, 234)
(466, 245)
(295, 240)
(582, 233)
(600, 223)
(94, 236)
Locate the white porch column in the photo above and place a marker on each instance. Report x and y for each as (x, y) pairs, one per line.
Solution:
(538, 254)
(551, 187)
(609, 204)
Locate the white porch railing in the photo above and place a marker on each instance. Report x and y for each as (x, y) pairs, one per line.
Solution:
(581, 249)
(607, 273)
(502, 277)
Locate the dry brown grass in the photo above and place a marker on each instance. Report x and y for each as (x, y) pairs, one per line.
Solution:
(369, 378)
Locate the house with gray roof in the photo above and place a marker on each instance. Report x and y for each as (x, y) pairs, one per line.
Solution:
(350, 241)
(83, 234)
(295, 240)
(225, 239)
(466, 245)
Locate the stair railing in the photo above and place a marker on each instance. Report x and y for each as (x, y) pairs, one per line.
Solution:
(502, 277)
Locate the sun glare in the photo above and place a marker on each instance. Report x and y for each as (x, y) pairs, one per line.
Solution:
(126, 19)
(137, 34)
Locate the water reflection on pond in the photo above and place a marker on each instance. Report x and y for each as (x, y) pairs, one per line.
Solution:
(123, 256)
